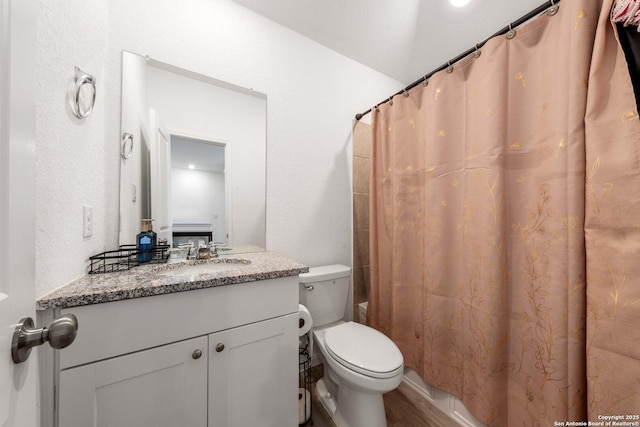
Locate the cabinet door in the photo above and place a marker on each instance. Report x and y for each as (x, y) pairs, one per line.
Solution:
(253, 375)
(162, 387)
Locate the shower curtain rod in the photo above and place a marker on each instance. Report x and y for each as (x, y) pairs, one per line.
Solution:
(537, 11)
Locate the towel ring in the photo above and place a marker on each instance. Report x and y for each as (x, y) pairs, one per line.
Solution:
(511, 33)
(553, 9)
(82, 79)
(127, 145)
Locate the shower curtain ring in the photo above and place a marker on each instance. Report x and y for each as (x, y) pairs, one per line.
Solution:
(405, 93)
(449, 67)
(425, 81)
(553, 9)
(511, 33)
(477, 53)
(391, 100)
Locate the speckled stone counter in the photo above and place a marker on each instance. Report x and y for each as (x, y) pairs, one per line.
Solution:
(149, 280)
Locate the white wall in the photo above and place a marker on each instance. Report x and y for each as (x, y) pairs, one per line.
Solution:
(70, 153)
(197, 197)
(313, 94)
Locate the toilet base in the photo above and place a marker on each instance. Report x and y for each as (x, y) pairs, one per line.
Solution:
(352, 408)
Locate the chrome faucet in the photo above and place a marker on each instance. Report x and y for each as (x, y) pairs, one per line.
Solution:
(203, 253)
(206, 252)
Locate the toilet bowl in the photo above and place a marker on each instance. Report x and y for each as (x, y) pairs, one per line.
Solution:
(361, 363)
(356, 375)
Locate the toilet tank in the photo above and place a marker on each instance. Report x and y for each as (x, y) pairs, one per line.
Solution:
(324, 291)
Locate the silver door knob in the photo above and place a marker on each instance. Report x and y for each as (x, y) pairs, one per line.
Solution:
(59, 334)
(197, 354)
(219, 347)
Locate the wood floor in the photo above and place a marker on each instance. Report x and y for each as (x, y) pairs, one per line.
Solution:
(399, 410)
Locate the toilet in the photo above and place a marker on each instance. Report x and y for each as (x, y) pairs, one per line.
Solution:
(361, 364)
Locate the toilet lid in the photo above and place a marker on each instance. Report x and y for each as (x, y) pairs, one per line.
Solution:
(364, 350)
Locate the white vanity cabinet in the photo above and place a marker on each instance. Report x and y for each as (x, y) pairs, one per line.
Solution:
(225, 356)
(162, 387)
(244, 388)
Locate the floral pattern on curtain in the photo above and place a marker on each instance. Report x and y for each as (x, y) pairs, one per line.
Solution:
(505, 262)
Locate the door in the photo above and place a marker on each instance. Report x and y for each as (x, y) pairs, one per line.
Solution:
(253, 374)
(162, 387)
(160, 169)
(18, 392)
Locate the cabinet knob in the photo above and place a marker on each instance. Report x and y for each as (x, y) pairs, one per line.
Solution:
(197, 354)
(219, 347)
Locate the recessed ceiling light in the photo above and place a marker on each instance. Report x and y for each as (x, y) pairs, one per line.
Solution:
(459, 3)
(191, 166)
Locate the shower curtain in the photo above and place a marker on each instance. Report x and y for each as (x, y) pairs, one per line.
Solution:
(505, 246)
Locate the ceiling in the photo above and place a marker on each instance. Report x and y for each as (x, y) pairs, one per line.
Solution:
(204, 156)
(404, 39)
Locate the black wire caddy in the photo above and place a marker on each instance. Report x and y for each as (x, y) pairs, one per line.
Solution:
(304, 382)
(125, 258)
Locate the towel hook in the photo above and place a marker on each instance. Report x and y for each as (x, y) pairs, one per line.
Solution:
(82, 79)
(511, 33)
(553, 9)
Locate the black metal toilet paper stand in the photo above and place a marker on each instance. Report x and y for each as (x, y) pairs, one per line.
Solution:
(304, 382)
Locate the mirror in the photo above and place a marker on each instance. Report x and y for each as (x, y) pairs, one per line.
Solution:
(193, 157)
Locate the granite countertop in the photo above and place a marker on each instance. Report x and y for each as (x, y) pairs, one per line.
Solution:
(148, 280)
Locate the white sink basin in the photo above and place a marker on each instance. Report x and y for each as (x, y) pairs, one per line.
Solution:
(210, 267)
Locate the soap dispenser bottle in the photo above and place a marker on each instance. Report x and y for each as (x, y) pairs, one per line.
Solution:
(145, 242)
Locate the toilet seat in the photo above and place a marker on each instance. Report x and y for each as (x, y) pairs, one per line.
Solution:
(364, 350)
